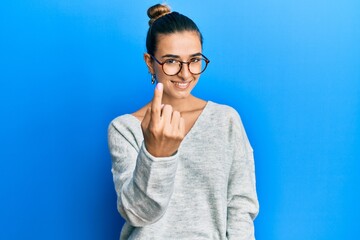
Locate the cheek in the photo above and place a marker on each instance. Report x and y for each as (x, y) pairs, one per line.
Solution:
(158, 71)
(196, 77)
(160, 75)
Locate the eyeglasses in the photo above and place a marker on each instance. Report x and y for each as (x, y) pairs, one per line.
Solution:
(196, 65)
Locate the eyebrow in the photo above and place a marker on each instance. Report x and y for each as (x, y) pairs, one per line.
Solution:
(177, 56)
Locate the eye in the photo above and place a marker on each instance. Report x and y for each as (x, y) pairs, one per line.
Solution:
(171, 61)
(195, 60)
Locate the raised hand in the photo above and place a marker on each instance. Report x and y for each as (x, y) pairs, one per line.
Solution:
(163, 128)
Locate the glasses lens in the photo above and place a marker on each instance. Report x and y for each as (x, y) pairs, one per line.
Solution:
(171, 67)
(197, 65)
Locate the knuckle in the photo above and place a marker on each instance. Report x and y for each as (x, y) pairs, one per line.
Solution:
(167, 133)
(168, 107)
(150, 128)
(153, 129)
(176, 114)
(155, 110)
(180, 136)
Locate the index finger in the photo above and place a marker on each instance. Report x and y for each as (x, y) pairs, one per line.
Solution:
(156, 102)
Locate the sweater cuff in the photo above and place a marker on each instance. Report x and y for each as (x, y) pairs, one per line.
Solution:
(155, 159)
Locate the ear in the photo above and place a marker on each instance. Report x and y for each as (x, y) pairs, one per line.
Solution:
(149, 63)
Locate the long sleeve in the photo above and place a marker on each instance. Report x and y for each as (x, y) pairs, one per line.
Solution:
(243, 204)
(144, 184)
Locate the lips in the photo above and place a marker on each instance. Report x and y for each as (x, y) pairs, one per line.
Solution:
(181, 85)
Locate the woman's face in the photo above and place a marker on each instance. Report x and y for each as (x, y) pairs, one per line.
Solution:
(181, 46)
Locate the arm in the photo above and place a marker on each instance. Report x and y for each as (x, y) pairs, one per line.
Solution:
(143, 183)
(144, 178)
(243, 204)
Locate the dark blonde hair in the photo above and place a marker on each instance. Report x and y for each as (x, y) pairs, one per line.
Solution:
(163, 21)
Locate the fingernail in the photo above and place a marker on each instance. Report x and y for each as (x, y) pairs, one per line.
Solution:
(159, 86)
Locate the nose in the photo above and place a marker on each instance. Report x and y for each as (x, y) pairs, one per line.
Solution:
(185, 73)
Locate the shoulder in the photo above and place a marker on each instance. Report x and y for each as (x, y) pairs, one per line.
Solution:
(125, 129)
(124, 125)
(223, 112)
(228, 120)
(124, 121)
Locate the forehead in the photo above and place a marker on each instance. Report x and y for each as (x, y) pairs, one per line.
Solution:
(180, 43)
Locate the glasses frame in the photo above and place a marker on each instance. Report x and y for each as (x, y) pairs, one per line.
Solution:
(207, 61)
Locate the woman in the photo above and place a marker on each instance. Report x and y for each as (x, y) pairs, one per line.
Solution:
(182, 167)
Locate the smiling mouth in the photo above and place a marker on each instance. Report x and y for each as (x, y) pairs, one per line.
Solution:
(181, 85)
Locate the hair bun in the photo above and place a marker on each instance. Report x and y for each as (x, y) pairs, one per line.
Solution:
(157, 11)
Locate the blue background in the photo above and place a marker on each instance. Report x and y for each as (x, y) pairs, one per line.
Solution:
(67, 68)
